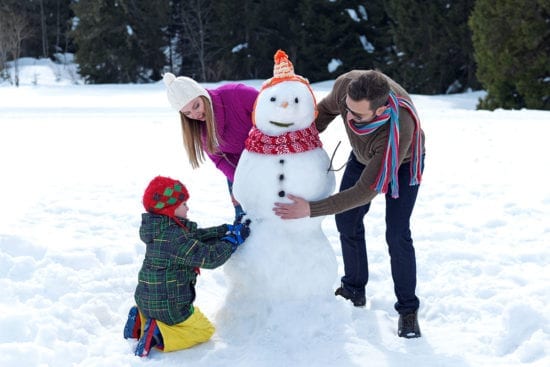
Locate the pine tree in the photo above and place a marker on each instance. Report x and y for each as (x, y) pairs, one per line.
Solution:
(104, 45)
(322, 38)
(120, 41)
(377, 36)
(148, 21)
(512, 51)
(433, 51)
(236, 33)
(333, 38)
(247, 34)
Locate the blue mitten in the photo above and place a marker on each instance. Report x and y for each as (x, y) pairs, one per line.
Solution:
(236, 234)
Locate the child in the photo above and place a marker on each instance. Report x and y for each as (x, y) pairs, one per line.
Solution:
(176, 248)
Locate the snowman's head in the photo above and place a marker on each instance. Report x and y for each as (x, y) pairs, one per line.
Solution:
(284, 107)
(286, 102)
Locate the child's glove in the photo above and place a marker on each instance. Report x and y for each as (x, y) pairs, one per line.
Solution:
(236, 234)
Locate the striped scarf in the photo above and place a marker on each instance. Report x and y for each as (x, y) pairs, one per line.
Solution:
(388, 171)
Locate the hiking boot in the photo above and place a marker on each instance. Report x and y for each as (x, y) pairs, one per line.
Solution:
(133, 325)
(151, 338)
(407, 327)
(358, 300)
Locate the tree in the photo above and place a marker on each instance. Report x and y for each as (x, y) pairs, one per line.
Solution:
(104, 52)
(197, 26)
(3, 44)
(317, 35)
(59, 24)
(148, 20)
(50, 22)
(14, 28)
(120, 41)
(433, 53)
(173, 31)
(512, 51)
(245, 38)
(335, 37)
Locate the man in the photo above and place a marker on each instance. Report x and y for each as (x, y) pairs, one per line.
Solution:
(387, 157)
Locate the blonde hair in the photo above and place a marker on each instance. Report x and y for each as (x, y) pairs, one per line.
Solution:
(192, 137)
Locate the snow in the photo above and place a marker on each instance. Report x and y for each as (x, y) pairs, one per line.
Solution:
(75, 162)
(367, 46)
(334, 64)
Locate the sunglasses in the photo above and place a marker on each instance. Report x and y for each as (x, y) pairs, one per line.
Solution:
(358, 119)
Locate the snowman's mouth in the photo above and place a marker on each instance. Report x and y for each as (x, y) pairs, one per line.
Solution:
(281, 124)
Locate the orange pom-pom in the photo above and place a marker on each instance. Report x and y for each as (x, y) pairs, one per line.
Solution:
(280, 56)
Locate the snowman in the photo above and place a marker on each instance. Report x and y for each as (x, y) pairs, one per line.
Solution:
(282, 260)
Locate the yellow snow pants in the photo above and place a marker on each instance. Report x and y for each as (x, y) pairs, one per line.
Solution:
(195, 330)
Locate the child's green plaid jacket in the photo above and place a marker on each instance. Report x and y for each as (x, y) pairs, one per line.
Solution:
(166, 284)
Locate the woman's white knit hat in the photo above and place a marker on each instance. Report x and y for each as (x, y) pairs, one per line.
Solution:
(182, 90)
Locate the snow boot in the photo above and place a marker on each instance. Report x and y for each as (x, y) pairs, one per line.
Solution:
(357, 299)
(408, 327)
(151, 338)
(133, 325)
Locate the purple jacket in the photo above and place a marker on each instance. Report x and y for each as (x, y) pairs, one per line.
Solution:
(232, 104)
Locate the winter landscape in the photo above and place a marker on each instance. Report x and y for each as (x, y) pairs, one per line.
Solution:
(76, 159)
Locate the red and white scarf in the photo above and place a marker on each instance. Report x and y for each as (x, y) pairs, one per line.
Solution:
(292, 142)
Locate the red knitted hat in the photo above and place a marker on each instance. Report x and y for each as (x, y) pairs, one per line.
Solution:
(163, 195)
(283, 70)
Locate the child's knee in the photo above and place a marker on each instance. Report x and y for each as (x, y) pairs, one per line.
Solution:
(195, 330)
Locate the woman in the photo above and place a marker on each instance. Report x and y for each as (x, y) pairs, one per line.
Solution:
(214, 121)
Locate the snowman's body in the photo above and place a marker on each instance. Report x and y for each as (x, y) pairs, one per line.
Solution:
(282, 259)
(302, 174)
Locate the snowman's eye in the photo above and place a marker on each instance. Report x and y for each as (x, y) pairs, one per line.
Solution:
(296, 100)
(273, 99)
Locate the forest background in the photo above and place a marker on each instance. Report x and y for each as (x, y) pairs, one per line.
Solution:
(430, 47)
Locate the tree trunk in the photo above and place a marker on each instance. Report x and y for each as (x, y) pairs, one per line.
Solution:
(43, 28)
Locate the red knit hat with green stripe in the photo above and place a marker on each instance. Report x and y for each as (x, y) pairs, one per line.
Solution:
(164, 195)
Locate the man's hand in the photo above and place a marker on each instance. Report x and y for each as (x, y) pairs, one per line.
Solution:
(299, 208)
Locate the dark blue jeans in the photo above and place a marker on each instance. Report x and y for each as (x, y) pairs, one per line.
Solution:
(398, 237)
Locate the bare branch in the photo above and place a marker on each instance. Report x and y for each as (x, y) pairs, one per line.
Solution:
(14, 28)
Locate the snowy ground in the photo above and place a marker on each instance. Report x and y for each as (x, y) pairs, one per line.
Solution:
(76, 159)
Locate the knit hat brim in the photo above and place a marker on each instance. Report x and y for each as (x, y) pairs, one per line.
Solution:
(181, 90)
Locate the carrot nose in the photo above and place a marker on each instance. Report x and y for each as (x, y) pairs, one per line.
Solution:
(284, 104)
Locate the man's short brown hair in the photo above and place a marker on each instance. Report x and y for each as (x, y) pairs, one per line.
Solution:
(372, 86)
